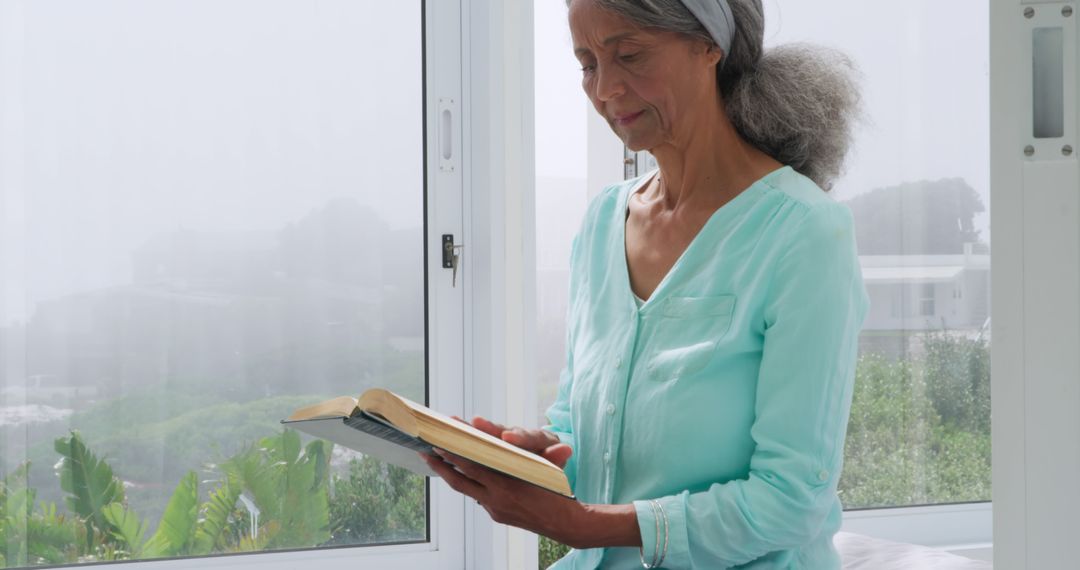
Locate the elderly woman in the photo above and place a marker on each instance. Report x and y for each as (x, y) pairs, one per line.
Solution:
(715, 305)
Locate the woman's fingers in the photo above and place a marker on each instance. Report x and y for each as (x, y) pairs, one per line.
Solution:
(558, 454)
(531, 440)
(534, 440)
(488, 427)
(473, 471)
(506, 500)
(455, 479)
(522, 438)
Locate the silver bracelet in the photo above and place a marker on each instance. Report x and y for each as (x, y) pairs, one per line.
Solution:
(667, 534)
(658, 555)
(641, 549)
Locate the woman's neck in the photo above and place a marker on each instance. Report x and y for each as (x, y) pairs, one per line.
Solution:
(709, 165)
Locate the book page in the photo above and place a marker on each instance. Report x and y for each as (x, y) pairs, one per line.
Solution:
(489, 439)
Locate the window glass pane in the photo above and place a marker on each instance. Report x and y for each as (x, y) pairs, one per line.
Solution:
(918, 183)
(212, 213)
(561, 192)
(561, 198)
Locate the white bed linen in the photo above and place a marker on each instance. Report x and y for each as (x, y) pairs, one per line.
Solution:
(860, 552)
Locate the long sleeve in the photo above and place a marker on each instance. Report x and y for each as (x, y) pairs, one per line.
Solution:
(814, 307)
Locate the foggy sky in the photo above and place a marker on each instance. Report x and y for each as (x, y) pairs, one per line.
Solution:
(125, 119)
(247, 114)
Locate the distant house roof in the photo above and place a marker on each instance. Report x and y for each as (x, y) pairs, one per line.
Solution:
(912, 274)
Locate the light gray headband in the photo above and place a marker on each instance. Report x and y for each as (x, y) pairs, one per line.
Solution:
(716, 16)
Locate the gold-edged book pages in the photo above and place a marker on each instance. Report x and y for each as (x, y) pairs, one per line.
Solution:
(393, 428)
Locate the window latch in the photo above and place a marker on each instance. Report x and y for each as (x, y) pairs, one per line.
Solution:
(451, 259)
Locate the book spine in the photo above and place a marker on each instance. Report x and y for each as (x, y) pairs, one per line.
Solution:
(384, 432)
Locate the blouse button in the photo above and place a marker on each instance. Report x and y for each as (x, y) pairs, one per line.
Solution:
(607, 457)
(618, 363)
(611, 409)
(823, 476)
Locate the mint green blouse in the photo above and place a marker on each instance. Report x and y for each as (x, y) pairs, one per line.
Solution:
(725, 395)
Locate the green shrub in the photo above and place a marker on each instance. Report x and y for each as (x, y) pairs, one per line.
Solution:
(919, 431)
(287, 482)
(550, 551)
(375, 502)
(958, 370)
(889, 430)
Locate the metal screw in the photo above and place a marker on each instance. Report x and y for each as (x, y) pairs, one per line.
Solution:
(1067, 150)
(1067, 11)
(1029, 150)
(1029, 12)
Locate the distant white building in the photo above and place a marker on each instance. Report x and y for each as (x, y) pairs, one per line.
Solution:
(927, 292)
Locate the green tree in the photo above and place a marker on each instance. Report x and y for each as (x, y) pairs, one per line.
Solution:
(920, 429)
(959, 370)
(32, 536)
(376, 502)
(288, 483)
(926, 217)
(90, 485)
(889, 431)
(551, 551)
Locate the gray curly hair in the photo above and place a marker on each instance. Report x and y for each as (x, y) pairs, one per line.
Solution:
(798, 103)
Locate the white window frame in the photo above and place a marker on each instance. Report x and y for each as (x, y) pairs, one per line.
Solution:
(500, 265)
(1035, 305)
(445, 344)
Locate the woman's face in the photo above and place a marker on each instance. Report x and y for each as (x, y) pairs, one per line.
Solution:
(650, 86)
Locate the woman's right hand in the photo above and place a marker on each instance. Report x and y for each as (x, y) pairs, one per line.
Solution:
(538, 441)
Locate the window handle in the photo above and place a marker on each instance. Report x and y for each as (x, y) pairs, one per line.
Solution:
(446, 118)
(1052, 93)
(451, 259)
(1048, 79)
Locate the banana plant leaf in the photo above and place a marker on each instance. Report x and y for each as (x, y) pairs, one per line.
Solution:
(89, 482)
(211, 534)
(128, 530)
(175, 535)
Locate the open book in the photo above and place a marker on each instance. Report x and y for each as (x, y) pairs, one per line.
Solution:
(392, 428)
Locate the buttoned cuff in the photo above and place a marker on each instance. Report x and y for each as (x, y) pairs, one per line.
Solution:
(678, 542)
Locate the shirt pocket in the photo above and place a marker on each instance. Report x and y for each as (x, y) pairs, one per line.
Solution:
(687, 334)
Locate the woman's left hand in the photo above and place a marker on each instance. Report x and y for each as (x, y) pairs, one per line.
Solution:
(513, 502)
(524, 505)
